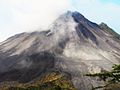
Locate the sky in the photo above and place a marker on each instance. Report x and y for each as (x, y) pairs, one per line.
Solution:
(18, 16)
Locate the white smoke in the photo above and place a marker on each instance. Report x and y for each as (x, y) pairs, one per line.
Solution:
(27, 15)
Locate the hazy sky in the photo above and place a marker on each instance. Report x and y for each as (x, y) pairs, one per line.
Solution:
(28, 15)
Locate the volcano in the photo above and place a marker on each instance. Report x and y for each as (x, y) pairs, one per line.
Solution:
(72, 47)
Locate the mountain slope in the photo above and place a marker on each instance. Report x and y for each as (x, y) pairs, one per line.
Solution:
(72, 45)
(109, 30)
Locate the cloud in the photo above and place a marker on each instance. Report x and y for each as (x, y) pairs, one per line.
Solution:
(26, 15)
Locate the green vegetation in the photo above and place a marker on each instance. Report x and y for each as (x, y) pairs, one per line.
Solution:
(110, 31)
(112, 78)
(51, 81)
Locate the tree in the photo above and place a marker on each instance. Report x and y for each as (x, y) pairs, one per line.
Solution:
(110, 77)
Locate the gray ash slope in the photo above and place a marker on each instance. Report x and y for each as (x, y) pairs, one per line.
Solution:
(73, 44)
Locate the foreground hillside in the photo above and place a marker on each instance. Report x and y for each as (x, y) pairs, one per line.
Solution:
(50, 81)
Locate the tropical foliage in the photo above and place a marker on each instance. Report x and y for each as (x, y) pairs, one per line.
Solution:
(51, 81)
(110, 77)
